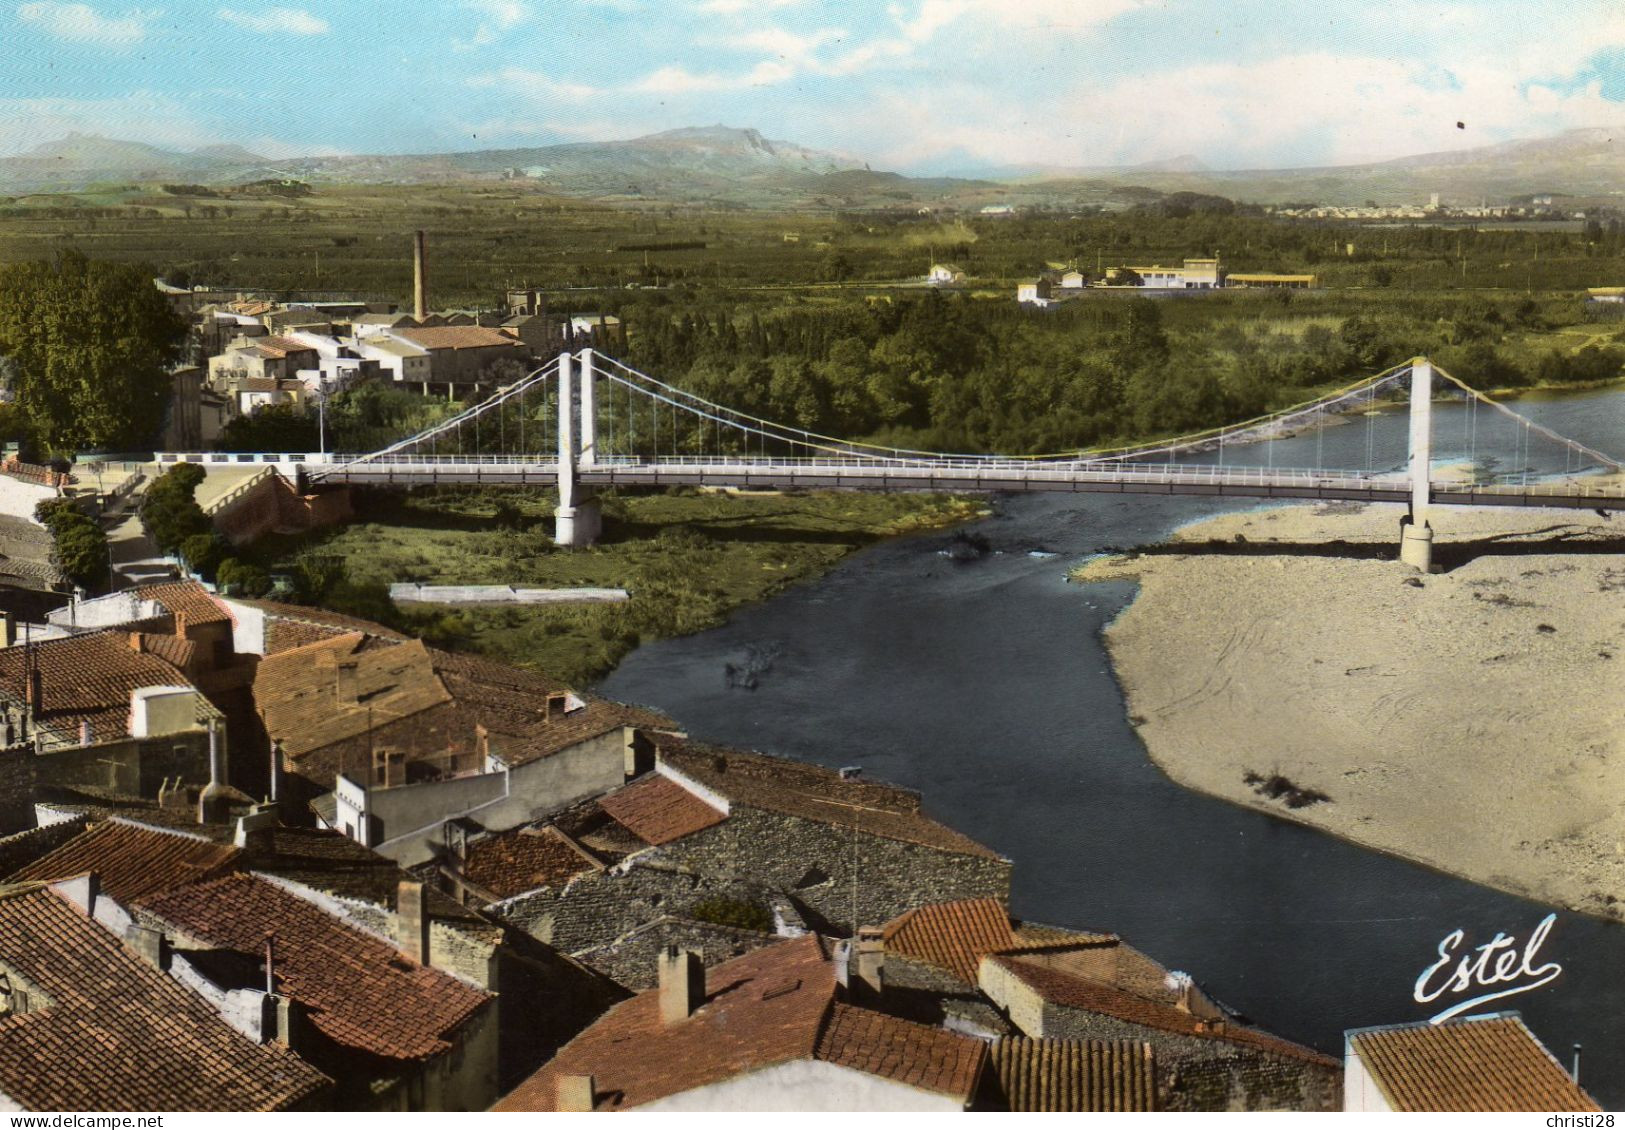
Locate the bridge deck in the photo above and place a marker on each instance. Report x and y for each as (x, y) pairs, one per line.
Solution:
(831, 474)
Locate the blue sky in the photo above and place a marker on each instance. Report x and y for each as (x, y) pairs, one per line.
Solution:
(914, 85)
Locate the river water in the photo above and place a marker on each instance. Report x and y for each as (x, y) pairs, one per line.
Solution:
(986, 686)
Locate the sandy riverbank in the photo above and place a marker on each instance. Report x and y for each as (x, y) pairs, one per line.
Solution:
(1472, 720)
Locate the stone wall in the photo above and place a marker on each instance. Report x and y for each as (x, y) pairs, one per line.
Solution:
(20, 849)
(631, 960)
(1210, 1074)
(272, 505)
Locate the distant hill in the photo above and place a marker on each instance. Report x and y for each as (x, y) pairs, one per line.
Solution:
(1580, 162)
(741, 166)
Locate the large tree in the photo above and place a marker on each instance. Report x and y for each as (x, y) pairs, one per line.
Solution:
(90, 344)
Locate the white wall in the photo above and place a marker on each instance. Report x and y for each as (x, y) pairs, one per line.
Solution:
(1360, 1091)
(806, 1085)
(18, 498)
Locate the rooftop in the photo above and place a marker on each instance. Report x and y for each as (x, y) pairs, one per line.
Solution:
(85, 679)
(455, 337)
(658, 810)
(1067, 989)
(811, 792)
(132, 860)
(113, 1033)
(775, 1005)
(359, 990)
(1475, 1063)
(1074, 1075)
(512, 863)
(187, 600)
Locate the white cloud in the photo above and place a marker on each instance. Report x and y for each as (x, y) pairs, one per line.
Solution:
(499, 18)
(735, 7)
(1294, 109)
(81, 23)
(680, 80)
(289, 21)
(535, 85)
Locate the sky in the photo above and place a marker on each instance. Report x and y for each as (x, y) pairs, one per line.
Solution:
(918, 86)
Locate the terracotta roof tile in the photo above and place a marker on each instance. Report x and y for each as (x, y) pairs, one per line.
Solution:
(188, 599)
(775, 1005)
(932, 1059)
(178, 653)
(1074, 1076)
(814, 793)
(952, 935)
(113, 1033)
(86, 678)
(1488, 1063)
(1068, 990)
(294, 625)
(455, 337)
(515, 862)
(658, 810)
(764, 1008)
(359, 990)
(132, 861)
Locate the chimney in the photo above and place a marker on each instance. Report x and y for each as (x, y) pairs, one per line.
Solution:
(276, 770)
(138, 642)
(8, 629)
(254, 829)
(420, 291)
(412, 921)
(212, 803)
(35, 692)
(575, 1094)
(871, 960)
(1576, 1072)
(149, 945)
(290, 1022)
(348, 691)
(682, 984)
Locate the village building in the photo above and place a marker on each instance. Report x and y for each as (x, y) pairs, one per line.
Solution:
(394, 1033)
(462, 357)
(773, 1030)
(1255, 281)
(264, 358)
(945, 274)
(400, 361)
(87, 1024)
(713, 841)
(1491, 1062)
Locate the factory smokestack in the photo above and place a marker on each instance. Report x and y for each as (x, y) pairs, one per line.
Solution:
(420, 294)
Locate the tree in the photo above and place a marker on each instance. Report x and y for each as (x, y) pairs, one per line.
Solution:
(169, 511)
(78, 543)
(90, 344)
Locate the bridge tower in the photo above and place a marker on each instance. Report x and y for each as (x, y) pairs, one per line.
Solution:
(578, 520)
(1415, 534)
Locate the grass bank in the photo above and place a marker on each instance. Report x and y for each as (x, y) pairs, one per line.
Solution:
(687, 559)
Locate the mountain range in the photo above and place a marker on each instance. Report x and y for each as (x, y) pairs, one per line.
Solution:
(720, 163)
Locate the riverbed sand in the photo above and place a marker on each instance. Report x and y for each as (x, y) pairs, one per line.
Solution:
(1472, 720)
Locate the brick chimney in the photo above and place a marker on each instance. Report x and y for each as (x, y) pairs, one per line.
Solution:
(138, 642)
(682, 984)
(34, 694)
(420, 286)
(575, 1093)
(870, 957)
(412, 921)
(347, 683)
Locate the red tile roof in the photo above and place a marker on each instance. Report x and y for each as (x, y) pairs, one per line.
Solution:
(133, 861)
(1074, 1076)
(515, 862)
(455, 337)
(811, 792)
(109, 1032)
(952, 935)
(1067, 990)
(1489, 1063)
(775, 1005)
(359, 990)
(293, 625)
(187, 599)
(279, 346)
(932, 1059)
(658, 810)
(86, 678)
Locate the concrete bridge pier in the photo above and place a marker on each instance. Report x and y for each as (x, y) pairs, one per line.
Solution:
(578, 520)
(1415, 534)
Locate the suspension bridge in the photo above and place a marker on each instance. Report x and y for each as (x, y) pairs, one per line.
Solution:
(587, 421)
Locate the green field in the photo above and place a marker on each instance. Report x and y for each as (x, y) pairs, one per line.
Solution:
(687, 559)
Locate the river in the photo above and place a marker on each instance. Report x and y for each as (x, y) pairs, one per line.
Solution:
(986, 685)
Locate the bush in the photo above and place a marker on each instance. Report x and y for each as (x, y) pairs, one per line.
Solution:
(733, 912)
(242, 578)
(169, 512)
(203, 553)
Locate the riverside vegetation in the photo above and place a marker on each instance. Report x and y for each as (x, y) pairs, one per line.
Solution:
(687, 559)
